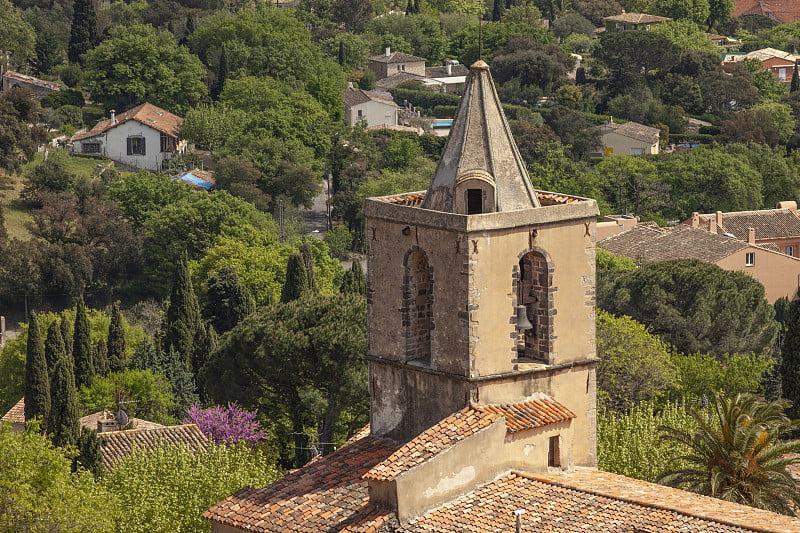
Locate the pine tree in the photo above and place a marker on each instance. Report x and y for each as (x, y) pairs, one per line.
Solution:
(790, 359)
(296, 279)
(90, 453)
(183, 313)
(54, 349)
(176, 369)
(82, 351)
(795, 85)
(63, 423)
(308, 258)
(227, 300)
(83, 33)
(116, 341)
(354, 281)
(37, 379)
(66, 334)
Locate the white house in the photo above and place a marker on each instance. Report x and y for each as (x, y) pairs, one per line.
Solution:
(144, 137)
(630, 138)
(376, 109)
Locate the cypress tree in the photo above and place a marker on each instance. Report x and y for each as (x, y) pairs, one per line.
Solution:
(790, 359)
(296, 279)
(497, 11)
(183, 313)
(100, 358)
(83, 34)
(354, 281)
(37, 379)
(90, 454)
(410, 7)
(54, 349)
(176, 369)
(63, 423)
(795, 85)
(66, 334)
(116, 341)
(416, 7)
(3, 230)
(82, 347)
(222, 74)
(227, 300)
(308, 259)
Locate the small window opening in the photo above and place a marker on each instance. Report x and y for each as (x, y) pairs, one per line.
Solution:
(554, 452)
(474, 201)
(750, 259)
(790, 250)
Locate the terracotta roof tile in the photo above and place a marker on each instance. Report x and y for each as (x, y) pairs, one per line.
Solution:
(414, 199)
(768, 223)
(325, 495)
(530, 414)
(32, 80)
(649, 243)
(15, 415)
(119, 444)
(146, 114)
(396, 57)
(636, 18)
(633, 130)
(594, 501)
(90, 421)
(432, 441)
(359, 96)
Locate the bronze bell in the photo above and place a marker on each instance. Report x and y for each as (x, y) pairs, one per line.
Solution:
(522, 318)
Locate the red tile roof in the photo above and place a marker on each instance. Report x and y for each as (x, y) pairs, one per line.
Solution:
(414, 199)
(396, 57)
(433, 441)
(783, 11)
(146, 114)
(465, 423)
(31, 80)
(592, 501)
(768, 223)
(531, 414)
(119, 444)
(636, 18)
(15, 415)
(325, 495)
(90, 421)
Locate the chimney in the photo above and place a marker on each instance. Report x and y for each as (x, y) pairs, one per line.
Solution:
(113, 116)
(719, 219)
(751, 236)
(449, 69)
(388, 51)
(712, 225)
(791, 206)
(695, 219)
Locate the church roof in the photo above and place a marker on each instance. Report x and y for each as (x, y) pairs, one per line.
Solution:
(481, 125)
(331, 494)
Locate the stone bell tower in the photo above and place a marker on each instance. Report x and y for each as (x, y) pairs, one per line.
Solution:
(481, 290)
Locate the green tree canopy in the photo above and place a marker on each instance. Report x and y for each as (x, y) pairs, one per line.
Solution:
(139, 64)
(150, 391)
(16, 34)
(696, 306)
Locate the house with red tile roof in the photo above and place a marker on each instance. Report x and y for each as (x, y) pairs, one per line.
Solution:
(144, 137)
(16, 416)
(390, 63)
(482, 362)
(119, 444)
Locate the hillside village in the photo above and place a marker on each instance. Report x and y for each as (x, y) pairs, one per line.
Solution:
(364, 265)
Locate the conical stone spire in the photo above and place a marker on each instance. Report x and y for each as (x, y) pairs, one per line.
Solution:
(481, 170)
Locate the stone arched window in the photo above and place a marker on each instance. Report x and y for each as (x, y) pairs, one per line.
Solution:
(417, 307)
(474, 193)
(534, 284)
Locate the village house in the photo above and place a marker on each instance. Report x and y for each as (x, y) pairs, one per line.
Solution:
(393, 62)
(780, 63)
(647, 243)
(632, 21)
(145, 137)
(482, 362)
(630, 138)
(370, 107)
(38, 87)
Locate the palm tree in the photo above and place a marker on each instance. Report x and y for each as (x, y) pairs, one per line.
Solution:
(735, 455)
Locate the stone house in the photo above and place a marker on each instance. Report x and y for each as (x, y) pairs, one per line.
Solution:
(646, 243)
(632, 21)
(393, 62)
(37, 86)
(373, 108)
(482, 360)
(630, 138)
(144, 137)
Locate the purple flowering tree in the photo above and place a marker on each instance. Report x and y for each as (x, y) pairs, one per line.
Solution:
(226, 425)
